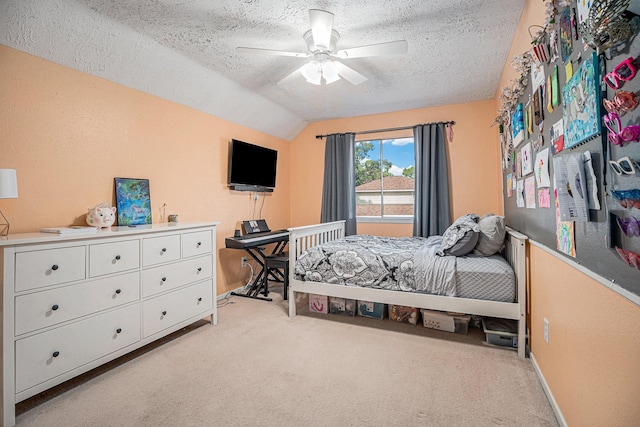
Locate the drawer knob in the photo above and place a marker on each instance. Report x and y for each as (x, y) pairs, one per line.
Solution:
(118, 330)
(200, 299)
(164, 250)
(164, 279)
(118, 291)
(199, 269)
(164, 313)
(54, 267)
(118, 257)
(56, 354)
(54, 307)
(199, 244)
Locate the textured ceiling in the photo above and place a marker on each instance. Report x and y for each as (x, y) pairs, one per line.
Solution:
(184, 51)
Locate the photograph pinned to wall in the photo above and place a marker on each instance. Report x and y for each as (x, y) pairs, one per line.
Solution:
(537, 76)
(537, 107)
(520, 193)
(530, 192)
(133, 201)
(542, 168)
(592, 183)
(544, 198)
(509, 185)
(571, 187)
(581, 109)
(566, 45)
(538, 143)
(527, 159)
(565, 235)
(556, 136)
(517, 125)
(519, 164)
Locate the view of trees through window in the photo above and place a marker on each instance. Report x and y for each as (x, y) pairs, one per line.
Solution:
(384, 177)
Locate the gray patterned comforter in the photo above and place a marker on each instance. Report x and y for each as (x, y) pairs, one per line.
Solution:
(394, 263)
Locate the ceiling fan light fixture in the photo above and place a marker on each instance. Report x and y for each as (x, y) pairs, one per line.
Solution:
(312, 72)
(330, 72)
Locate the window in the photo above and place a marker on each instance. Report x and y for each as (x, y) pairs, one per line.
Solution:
(385, 180)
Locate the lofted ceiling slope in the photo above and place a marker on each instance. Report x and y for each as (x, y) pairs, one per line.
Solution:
(184, 51)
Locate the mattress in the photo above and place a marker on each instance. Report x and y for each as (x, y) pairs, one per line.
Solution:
(407, 264)
(486, 278)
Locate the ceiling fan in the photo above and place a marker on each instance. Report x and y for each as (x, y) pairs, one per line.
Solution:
(321, 41)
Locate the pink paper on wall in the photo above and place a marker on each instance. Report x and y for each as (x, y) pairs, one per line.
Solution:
(544, 198)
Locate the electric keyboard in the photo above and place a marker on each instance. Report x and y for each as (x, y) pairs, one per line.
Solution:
(256, 239)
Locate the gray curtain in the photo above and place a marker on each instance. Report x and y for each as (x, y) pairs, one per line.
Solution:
(432, 211)
(338, 189)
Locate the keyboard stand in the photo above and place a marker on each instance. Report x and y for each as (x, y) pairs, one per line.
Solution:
(258, 285)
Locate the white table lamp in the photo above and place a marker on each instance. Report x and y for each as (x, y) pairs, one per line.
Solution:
(8, 190)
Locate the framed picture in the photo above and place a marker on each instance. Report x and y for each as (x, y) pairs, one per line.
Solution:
(580, 102)
(133, 201)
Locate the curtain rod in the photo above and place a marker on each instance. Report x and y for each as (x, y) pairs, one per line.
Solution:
(390, 129)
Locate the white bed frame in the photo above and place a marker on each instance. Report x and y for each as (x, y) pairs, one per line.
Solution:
(302, 238)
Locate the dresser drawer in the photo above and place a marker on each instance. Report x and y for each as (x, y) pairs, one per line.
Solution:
(198, 243)
(107, 258)
(38, 269)
(167, 310)
(46, 308)
(167, 277)
(44, 356)
(156, 250)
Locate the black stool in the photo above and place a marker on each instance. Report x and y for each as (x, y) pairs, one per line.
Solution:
(277, 265)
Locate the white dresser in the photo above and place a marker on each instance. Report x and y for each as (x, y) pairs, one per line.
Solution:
(72, 302)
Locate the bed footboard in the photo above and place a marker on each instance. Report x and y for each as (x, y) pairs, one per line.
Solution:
(301, 239)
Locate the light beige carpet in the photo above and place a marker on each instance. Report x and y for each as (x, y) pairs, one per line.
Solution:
(259, 368)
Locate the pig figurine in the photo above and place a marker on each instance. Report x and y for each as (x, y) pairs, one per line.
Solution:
(101, 215)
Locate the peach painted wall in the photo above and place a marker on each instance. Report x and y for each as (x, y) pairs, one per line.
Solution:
(591, 363)
(68, 134)
(473, 153)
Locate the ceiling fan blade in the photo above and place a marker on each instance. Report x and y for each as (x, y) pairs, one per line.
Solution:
(388, 48)
(321, 26)
(291, 77)
(271, 52)
(349, 74)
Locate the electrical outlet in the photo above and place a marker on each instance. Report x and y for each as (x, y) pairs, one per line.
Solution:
(546, 330)
(243, 261)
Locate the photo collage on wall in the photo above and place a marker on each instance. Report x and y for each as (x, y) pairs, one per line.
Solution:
(569, 108)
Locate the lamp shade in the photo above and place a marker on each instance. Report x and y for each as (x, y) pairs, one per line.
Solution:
(8, 184)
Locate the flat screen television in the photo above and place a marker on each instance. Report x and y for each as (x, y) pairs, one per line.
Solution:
(251, 167)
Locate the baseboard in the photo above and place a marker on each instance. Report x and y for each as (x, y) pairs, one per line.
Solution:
(547, 392)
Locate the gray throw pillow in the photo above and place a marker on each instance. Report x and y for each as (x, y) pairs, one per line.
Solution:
(459, 239)
(464, 245)
(491, 238)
